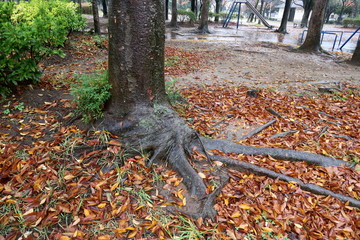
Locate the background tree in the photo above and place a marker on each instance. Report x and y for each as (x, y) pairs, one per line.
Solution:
(174, 15)
(355, 8)
(104, 8)
(194, 6)
(218, 4)
(356, 56)
(342, 9)
(166, 9)
(204, 17)
(308, 6)
(285, 17)
(251, 15)
(312, 40)
(332, 7)
(261, 9)
(95, 9)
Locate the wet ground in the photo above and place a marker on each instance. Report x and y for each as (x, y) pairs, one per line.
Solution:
(333, 39)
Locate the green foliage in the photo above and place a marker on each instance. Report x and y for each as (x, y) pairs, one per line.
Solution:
(186, 15)
(221, 15)
(30, 31)
(91, 93)
(351, 22)
(172, 91)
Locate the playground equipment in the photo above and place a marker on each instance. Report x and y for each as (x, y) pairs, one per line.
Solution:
(335, 33)
(237, 5)
(356, 31)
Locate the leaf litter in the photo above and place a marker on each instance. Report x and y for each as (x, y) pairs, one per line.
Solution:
(60, 182)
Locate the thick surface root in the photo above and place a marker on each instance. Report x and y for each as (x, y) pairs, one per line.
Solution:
(277, 153)
(313, 188)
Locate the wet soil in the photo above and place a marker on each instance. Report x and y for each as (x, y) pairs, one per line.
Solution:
(269, 65)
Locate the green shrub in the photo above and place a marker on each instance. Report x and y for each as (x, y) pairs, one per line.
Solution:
(91, 93)
(221, 15)
(30, 31)
(186, 15)
(351, 22)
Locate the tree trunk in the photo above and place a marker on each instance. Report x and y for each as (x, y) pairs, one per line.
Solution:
(308, 6)
(139, 111)
(261, 10)
(104, 7)
(356, 56)
(313, 37)
(217, 9)
(173, 22)
(284, 20)
(194, 7)
(80, 5)
(204, 17)
(96, 16)
(340, 18)
(355, 10)
(167, 9)
(251, 16)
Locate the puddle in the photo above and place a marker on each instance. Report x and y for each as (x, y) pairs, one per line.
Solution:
(260, 34)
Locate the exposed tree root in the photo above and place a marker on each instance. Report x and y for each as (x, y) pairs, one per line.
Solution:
(257, 130)
(313, 188)
(277, 153)
(165, 136)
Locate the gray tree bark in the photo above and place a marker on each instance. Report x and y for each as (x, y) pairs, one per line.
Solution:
(173, 22)
(204, 17)
(95, 10)
(312, 40)
(308, 6)
(356, 56)
(284, 20)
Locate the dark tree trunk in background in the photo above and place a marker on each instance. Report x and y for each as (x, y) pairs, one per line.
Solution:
(251, 16)
(217, 9)
(167, 9)
(204, 17)
(285, 18)
(173, 22)
(308, 6)
(340, 18)
(194, 6)
(95, 10)
(138, 110)
(261, 10)
(80, 5)
(312, 40)
(355, 11)
(104, 8)
(356, 56)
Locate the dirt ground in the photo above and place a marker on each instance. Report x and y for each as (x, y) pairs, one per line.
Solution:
(269, 65)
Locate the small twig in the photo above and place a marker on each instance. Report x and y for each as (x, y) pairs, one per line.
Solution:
(257, 130)
(346, 137)
(322, 113)
(273, 112)
(323, 131)
(284, 134)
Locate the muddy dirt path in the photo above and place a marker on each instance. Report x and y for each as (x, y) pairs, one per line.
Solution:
(269, 65)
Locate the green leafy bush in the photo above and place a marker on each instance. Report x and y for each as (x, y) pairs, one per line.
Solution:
(221, 15)
(30, 31)
(186, 15)
(91, 93)
(351, 22)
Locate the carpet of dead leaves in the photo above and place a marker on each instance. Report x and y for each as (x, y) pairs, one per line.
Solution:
(59, 182)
